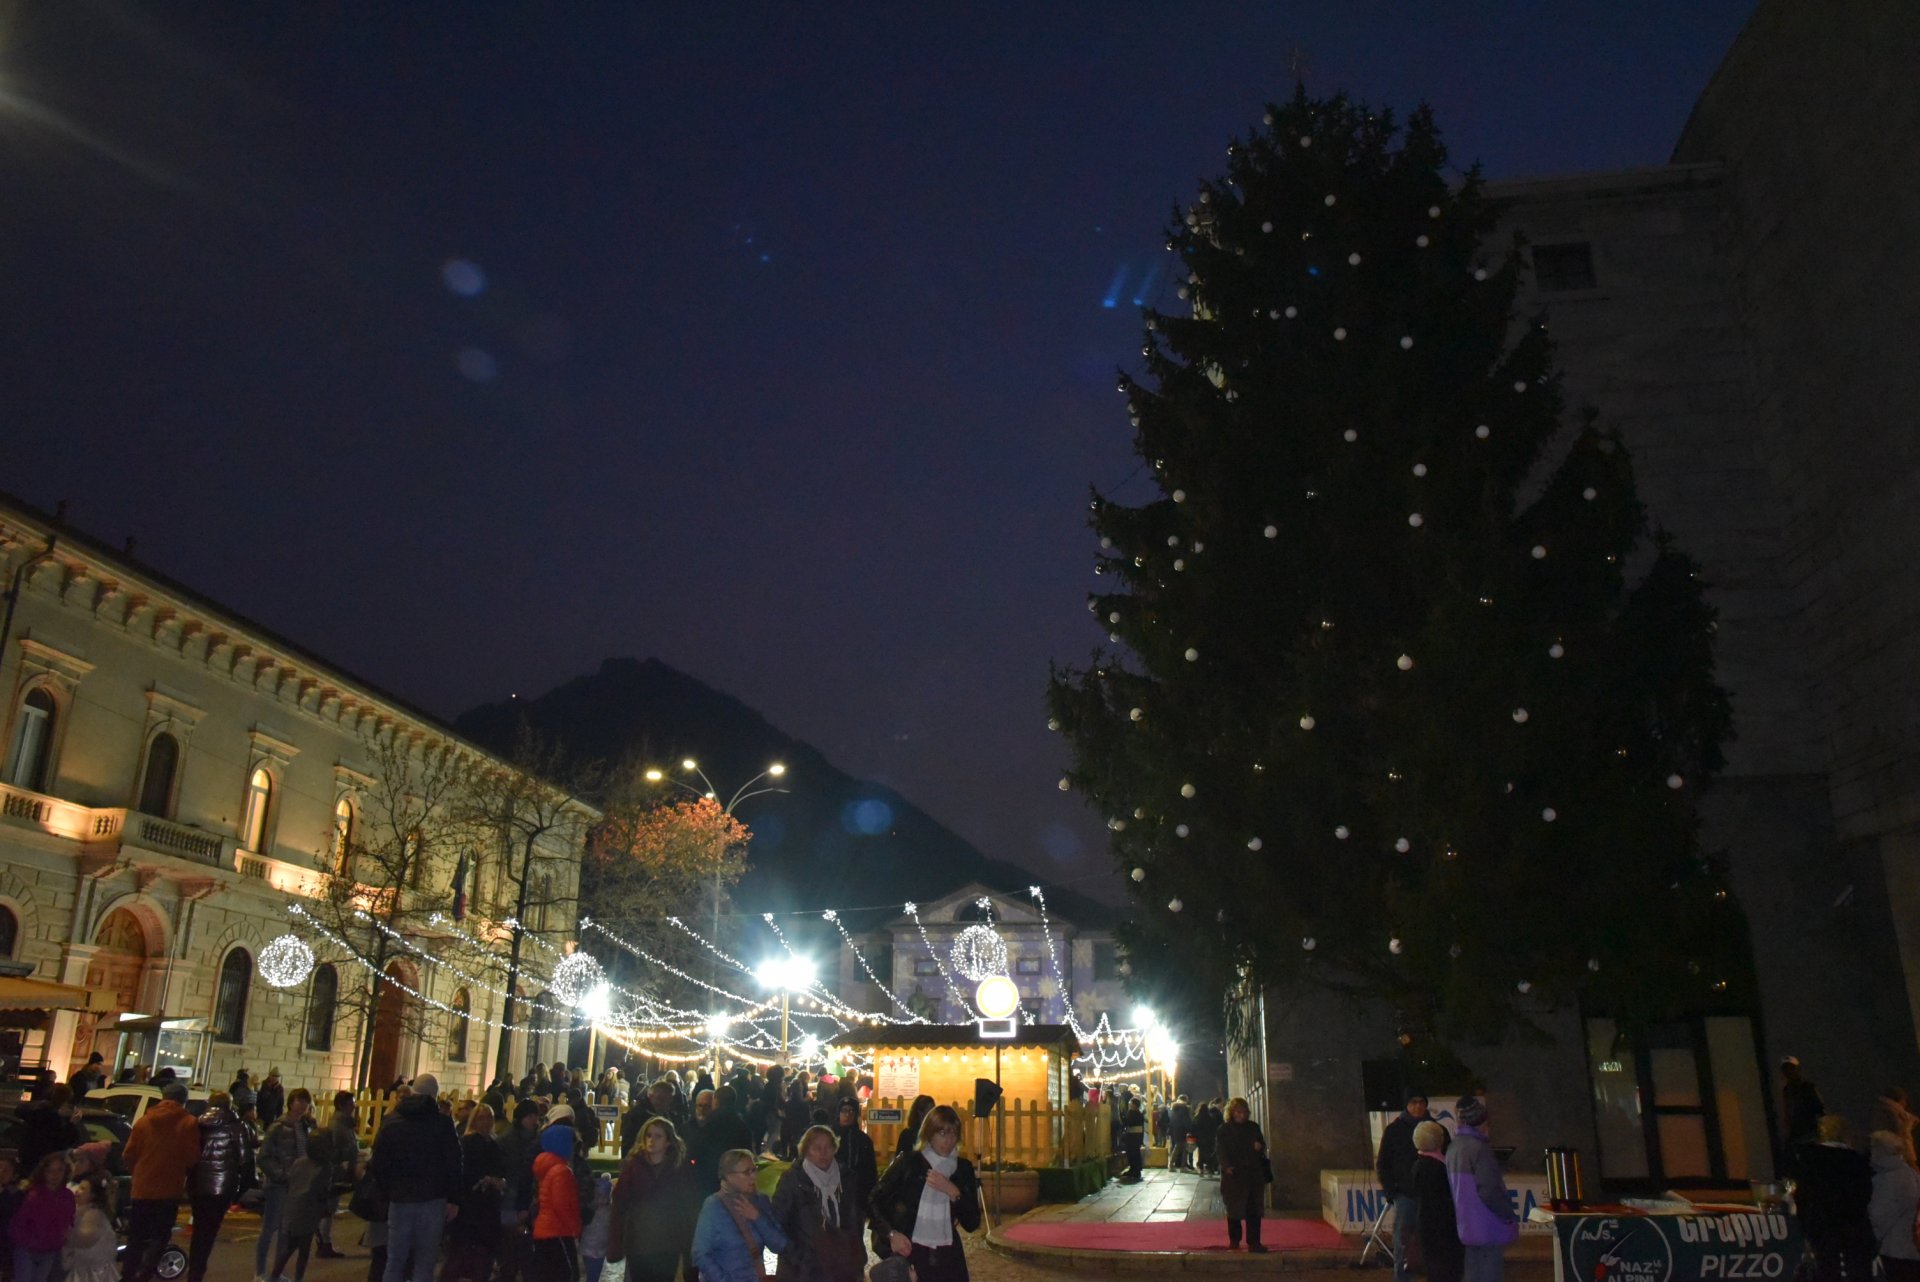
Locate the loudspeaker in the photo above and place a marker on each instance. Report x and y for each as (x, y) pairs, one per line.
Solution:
(986, 1094)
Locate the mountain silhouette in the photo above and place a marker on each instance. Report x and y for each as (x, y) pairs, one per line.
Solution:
(828, 841)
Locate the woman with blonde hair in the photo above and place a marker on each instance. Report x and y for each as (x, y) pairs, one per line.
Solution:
(647, 1222)
(820, 1213)
(923, 1196)
(473, 1238)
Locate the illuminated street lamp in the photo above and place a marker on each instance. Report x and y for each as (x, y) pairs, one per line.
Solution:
(787, 974)
(745, 792)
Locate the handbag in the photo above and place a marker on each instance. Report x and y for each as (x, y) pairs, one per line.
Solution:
(369, 1202)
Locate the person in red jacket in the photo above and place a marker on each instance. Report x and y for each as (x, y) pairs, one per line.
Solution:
(556, 1220)
(161, 1149)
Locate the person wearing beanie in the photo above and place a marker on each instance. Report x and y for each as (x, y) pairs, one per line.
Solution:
(1483, 1212)
(859, 1165)
(1394, 1169)
(556, 1224)
(416, 1162)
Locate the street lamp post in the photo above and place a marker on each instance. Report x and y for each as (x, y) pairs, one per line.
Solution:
(785, 974)
(745, 792)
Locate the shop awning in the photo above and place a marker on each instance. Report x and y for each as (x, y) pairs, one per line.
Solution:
(17, 993)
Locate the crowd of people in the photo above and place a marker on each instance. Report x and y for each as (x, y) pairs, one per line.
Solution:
(500, 1189)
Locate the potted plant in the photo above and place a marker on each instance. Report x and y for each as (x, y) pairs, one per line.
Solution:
(1009, 1188)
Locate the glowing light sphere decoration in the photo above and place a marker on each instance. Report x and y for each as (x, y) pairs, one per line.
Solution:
(286, 961)
(980, 952)
(576, 975)
(997, 997)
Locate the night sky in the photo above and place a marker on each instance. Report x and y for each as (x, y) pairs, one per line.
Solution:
(471, 343)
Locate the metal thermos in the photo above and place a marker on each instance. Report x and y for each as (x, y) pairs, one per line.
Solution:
(1563, 1179)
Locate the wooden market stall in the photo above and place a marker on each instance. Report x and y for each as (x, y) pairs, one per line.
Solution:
(1033, 1066)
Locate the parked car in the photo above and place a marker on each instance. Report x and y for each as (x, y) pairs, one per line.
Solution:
(130, 1100)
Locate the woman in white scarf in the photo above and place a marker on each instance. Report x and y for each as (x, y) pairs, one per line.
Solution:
(922, 1198)
(819, 1217)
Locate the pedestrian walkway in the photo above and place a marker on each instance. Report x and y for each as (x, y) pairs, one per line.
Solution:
(1171, 1220)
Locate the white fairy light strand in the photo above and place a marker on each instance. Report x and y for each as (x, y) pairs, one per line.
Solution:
(834, 917)
(1053, 960)
(354, 955)
(913, 911)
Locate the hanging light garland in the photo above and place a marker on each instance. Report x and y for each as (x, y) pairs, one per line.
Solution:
(913, 911)
(858, 956)
(1053, 961)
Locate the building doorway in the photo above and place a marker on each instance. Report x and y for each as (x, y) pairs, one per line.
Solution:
(122, 949)
(398, 1012)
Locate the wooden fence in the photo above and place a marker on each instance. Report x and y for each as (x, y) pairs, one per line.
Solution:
(1036, 1133)
(1033, 1133)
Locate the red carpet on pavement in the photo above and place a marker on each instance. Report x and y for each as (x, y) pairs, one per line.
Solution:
(1179, 1235)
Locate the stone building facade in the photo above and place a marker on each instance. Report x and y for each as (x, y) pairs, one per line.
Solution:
(173, 778)
(1063, 969)
(1744, 317)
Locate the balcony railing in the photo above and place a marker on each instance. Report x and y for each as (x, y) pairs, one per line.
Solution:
(173, 839)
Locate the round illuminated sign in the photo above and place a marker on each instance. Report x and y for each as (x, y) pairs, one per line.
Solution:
(997, 997)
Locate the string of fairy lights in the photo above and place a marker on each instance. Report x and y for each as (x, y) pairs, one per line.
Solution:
(577, 992)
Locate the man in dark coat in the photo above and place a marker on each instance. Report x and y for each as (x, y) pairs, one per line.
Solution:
(416, 1162)
(1179, 1126)
(1801, 1109)
(48, 1127)
(859, 1168)
(1394, 1169)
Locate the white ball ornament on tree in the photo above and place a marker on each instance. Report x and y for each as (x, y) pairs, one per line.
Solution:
(1549, 814)
(1135, 714)
(1419, 469)
(1065, 783)
(1406, 342)
(1174, 905)
(285, 961)
(1179, 496)
(1520, 716)
(1330, 199)
(1342, 833)
(1404, 663)
(1416, 520)
(1138, 874)
(1479, 273)
(1402, 845)
(1192, 654)
(1589, 494)
(1180, 830)
(1292, 312)
(1421, 241)
(1266, 227)
(1556, 651)
(1524, 986)
(1676, 782)
(1309, 943)
(1272, 532)
(1339, 333)
(1053, 723)
(1307, 723)
(1350, 436)
(1187, 791)
(574, 976)
(1353, 260)
(1395, 947)
(1433, 211)
(1255, 844)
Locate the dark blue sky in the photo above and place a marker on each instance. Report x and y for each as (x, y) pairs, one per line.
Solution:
(470, 343)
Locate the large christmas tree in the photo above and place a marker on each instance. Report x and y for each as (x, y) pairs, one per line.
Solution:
(1402, 696)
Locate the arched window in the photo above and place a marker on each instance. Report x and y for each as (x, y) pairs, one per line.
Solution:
(321, 999)
(253, 833)
(30, 756)
(9, 931)
(460, 1017)
(156, 784)
(343, 836)
(230, 1003)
